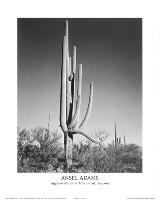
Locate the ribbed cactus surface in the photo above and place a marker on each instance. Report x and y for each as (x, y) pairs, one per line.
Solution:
(70, 103)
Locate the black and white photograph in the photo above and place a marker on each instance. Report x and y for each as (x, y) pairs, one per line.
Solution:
(79, 95)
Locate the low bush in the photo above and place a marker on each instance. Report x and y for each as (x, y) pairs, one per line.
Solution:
(124, 158)
(39, 150)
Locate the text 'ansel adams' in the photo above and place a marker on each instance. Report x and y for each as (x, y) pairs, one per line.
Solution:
(75, 178)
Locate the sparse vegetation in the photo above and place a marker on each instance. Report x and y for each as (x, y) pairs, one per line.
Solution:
(40, 150)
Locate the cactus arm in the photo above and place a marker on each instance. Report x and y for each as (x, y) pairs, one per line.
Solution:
(63, 90)
(84, 134)
(79, 95)
(69, 96)
(73, 79)
(78, 103)
(76, 124)
(70, 66)
(89, 106)
(74, 59)
(77, 111)
(79, 80)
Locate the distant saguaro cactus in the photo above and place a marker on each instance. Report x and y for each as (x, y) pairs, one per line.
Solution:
(69, 112)
(124, 140)
(115, 137)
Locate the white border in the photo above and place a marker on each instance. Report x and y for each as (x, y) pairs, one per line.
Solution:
(121, 186)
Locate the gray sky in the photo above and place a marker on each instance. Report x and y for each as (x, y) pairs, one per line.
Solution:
(110, 51)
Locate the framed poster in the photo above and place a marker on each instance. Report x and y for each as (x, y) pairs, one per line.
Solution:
(79, 103)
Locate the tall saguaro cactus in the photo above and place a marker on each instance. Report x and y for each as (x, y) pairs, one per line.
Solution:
(69, 112)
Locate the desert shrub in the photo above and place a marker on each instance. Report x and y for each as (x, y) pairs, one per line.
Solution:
(39, 151)
(124, 158)
(127, 158)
